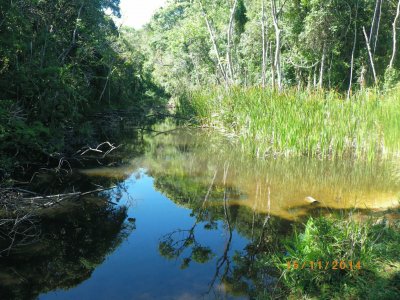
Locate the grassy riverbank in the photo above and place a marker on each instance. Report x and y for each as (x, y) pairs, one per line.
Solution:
(315, 124)
(358, 260)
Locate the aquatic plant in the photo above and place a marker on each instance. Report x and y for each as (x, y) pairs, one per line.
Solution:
(316, 123)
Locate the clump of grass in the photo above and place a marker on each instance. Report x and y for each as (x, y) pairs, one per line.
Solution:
(301, 123)
(375, 246)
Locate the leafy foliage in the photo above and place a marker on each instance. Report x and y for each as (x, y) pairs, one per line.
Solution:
(60, 63)
(329, 240)
(317, 40)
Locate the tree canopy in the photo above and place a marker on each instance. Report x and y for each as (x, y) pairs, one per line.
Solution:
(316, 43)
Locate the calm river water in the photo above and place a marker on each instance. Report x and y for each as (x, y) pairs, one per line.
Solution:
(186, 220)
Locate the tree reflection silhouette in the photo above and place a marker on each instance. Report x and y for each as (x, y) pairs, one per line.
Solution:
(73, 241)
(239, 273)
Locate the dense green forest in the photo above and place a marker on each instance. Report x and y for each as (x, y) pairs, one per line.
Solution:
(303, 44)
(316, 81)
(61, 62)
(276, 75)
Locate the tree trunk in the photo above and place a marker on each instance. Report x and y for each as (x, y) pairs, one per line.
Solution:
(63, 55)
(298, 78)
(362, 76)
(76, 24)
(315, 77)
(321, 71)
(373, 35)
(106, 84)
(370, 56)
(229, 44)
(277, 60)
(330, 72)
(272, 67)
(395, 36)
(264, 57)
(309, 81)
(214, 43)
(352, 55)
(379, 22)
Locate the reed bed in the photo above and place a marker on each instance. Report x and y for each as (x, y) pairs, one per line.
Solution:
(321, 124)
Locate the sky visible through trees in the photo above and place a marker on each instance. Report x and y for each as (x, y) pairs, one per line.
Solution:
(136, 13)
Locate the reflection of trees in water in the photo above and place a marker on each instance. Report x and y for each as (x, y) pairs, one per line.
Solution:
(240, 273)
(173, 244)
(335, 184)
(73, 241)
(58, 248)
(250, 275)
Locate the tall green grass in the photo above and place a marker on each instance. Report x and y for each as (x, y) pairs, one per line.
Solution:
(374, 244)
(301, 123)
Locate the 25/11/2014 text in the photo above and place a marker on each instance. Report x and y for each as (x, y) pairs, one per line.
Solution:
(324, 265)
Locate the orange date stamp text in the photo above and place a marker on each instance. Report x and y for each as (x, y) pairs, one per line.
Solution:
(324, 265)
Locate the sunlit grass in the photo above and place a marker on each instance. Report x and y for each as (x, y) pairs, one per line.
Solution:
(301, 123)
(358, 260)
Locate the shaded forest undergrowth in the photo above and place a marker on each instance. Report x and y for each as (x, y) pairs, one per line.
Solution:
(66, 73)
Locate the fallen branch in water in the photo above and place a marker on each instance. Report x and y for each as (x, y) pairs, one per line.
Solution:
(19, 214)
(16, 198)
(87, 149)
(99, 152)
(17, 229)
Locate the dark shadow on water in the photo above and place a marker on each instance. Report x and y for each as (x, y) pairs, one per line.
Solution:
(72, 242)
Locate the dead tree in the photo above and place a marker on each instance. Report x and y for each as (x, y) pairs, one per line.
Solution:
(64, 54)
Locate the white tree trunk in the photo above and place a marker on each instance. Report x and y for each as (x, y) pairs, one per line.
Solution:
(379, 23)
(264, 51)
(352, 56)
(76, 24)
(321, 71)
(373, 34)
(229, 44)
(272, 67)
(395, 36)
(315, 77)
(370, 56)
(277, 60)
(214, 43)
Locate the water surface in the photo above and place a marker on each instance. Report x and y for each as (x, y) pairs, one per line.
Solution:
(186, 220)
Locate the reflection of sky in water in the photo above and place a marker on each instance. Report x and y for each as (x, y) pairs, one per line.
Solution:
(136, 270)
(183, 164)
